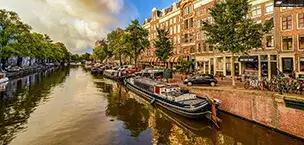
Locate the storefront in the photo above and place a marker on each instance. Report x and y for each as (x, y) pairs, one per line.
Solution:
(202, 64)
(250, 66)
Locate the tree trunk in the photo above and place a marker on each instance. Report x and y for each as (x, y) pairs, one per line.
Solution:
(135, 61)
(232, 70)
(3, 63)
(19, 61)
(130, 60)
(30, 61)
(120, 61)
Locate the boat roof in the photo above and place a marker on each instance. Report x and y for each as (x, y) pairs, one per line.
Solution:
(111, 70)
(150, 81)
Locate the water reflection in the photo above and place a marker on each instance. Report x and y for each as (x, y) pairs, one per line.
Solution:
(21, 97)
(70, 106)
(165, 127)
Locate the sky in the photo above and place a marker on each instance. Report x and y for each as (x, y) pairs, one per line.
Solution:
(79, 23)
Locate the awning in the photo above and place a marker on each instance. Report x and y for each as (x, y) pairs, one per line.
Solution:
(248, 59)
(174, 58)
(150, 59)
(155, 59)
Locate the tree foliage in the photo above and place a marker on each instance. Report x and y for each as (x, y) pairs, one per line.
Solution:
(184, 66)
(17, 40)
(136, 39)
(116, 40)
(163, 45)
(231, 30)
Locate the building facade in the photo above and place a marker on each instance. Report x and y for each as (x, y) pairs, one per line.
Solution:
(282, 50)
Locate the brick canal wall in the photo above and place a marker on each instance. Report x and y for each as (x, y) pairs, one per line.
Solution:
(262, 107)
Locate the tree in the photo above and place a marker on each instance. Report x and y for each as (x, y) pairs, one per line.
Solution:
(102, 52)
(136, 39)
(86, 56)
(163, 46)
(116, 43)
(11, 27)
(184, 66)
(232, 31)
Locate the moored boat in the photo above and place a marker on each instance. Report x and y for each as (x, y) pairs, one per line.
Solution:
(172, 98)
(97, 69)
(3, 78)
(115, 74)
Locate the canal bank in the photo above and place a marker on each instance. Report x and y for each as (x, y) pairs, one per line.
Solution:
(29, 70)
(72, 107)
(265, 108)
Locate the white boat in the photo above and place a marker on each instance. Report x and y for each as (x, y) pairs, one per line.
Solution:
(3, 78)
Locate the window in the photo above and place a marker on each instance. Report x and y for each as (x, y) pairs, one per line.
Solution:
(190, 37)
(192, 50)
(204, 47)
(198, 23)
(204, 11)
(174, 29)
(174, 40)
(171, 30)
(256, 10)
(301, 42)
(301, 64)
(174, 20)
(190, 9)
(301, 20)
(287, 22)
(287, 65)
(185, 11)
(199, 49)
(287, 43)
(198, 13)
(269, 41)
(178, 28)
(198, 36)
(211, 47)
(186, 24)
(269, 8)
(186, 38)
(190, 22)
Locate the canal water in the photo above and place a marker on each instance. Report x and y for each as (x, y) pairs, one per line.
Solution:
(70, 106)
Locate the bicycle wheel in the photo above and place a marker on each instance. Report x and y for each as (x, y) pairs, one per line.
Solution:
(246, 85)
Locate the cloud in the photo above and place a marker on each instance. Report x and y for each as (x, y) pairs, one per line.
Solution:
(77, 23)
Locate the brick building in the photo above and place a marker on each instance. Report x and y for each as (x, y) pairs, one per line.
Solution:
(283, 47)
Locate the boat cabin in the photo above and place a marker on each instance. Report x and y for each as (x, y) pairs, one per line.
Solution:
(169, 92)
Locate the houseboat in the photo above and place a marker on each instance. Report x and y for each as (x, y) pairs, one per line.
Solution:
(172, 98)
(97, 69)
(115, 74)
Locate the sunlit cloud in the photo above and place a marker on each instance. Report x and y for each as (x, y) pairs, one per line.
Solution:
(77, 23)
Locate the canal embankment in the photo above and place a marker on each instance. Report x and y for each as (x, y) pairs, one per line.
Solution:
(29, 70)
(265, 108)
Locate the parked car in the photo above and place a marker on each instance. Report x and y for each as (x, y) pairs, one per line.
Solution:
(201, 79)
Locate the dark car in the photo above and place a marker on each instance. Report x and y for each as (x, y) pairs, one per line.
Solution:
(201, 79)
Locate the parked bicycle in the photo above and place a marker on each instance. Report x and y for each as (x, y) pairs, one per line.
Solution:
(276, 84)
(253, 83)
